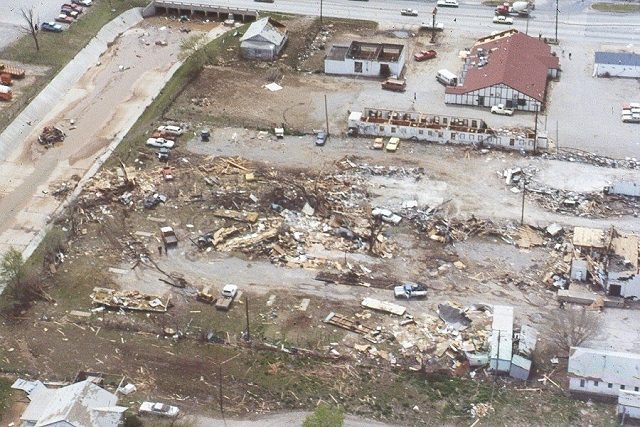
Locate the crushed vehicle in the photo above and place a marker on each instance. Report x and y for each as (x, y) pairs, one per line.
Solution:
(50, 135)
(167, 173)
(157, 408)
(410, 291)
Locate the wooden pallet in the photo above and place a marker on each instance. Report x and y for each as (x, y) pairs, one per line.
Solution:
(345, 323)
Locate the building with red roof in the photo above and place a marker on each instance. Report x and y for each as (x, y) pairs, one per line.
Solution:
(509, 68)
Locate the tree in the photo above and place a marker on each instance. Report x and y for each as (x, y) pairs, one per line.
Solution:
(572, 327)
(13, 273)
(325, 416)
(31, 25)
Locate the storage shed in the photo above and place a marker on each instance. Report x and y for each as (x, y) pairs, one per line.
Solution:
(265, 39)
(617, 64)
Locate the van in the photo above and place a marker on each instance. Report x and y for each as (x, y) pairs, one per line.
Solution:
(447, 3)
(447, 78)
(394, 84)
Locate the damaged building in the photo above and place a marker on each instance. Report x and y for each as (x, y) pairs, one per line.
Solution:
(443, 130)
(365, 59)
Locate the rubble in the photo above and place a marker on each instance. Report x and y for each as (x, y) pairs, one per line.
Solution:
(129, 300)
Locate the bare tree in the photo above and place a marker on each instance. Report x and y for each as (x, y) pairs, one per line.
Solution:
(572, 327)
(31, 25)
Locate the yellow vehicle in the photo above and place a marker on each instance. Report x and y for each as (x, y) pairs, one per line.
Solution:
(378, 144)
(393, 144)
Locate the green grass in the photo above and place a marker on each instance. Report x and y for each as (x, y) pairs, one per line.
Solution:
(617, 7)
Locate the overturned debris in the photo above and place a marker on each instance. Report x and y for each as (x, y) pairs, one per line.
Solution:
(129, 300)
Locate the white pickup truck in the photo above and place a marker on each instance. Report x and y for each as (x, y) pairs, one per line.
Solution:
(501, 109)
(410, 291)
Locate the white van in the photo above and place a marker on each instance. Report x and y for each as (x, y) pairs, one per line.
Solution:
(447, 78)
(447, 3)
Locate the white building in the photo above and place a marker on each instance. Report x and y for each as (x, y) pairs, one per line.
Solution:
(365, 59)
(602, 373)
(442, 129)
(617, 64)
(264, 40)
(501, 339)
(629, 404)
(83, 404)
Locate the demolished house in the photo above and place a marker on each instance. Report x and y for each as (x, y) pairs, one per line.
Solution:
(608, 259)
(602, 373)
(265, 39)
(442, 129)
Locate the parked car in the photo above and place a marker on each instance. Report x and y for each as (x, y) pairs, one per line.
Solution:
(82, 2)
(64, 19)
(264, 1)
(447, 3)
(160, 142)
(171, 130)
(423, 55)
(157, 408)
(378, 144)
(502, 110)
(70, 12)
(409, 12)
(396, 85)
(502, 20)
(393, 144)
(51, 26)
(75, 7)
(169, 237)
(163, 154)
(321, 138)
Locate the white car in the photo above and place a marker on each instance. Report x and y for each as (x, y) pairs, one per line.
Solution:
(83, 2)
(409, 12)
(160, 143)
(158, 408)
(502, 20)
(229, 291)
(173, 130)
(501, 109)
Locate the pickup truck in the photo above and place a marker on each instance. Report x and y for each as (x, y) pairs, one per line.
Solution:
(410, 291)
(408, 12)
(501, 109)
(229, 292)
(169, 237)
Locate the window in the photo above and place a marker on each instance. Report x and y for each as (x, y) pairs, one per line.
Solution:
(381, 128)
(581, 383)
(512, 142)
(357, 67)
(610, 385)
(453, 136)
(622, 387)
(444, 120)
(635, 389)
(393, 130)
(420, 132)
(595, 383)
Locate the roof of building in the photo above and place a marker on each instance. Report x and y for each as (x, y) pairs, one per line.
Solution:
(265, 29)
(606, 366)
(513, 59)
(589, 237)
(386, 52)
(618, 58)
(82, 404)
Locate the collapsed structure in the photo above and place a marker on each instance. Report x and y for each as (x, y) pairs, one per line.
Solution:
(443, 130)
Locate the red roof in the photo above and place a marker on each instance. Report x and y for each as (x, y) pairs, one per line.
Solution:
(518, 61)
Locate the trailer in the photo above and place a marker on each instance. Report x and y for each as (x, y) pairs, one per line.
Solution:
(14, 72)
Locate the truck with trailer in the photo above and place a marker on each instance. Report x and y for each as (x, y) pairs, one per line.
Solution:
(521, 8)
(229, 292)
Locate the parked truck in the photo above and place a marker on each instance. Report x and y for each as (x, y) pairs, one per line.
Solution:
(228, 294)
(410, 291)
(5, 93)
(521, 8)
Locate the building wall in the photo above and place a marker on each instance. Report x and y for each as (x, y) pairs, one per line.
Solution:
(494, 95)
(629, 284)
(615, 70)
(590, 386)
(368, 68)
(265, 51)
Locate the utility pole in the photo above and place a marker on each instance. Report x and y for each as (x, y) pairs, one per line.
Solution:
(320, 12)
(535, 131)
(524, 190)
(326, 113)
(246, 306)
(433, 24)
(557, 11)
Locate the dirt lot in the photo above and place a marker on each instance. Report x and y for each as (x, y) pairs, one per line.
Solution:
(460, 239)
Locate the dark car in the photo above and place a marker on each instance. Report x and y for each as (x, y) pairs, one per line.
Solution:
(321, 138)
(51, 26)
(264, 1)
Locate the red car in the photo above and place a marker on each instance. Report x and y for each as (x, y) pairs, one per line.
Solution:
(423, 55)
(72, 7)
(64, 18)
